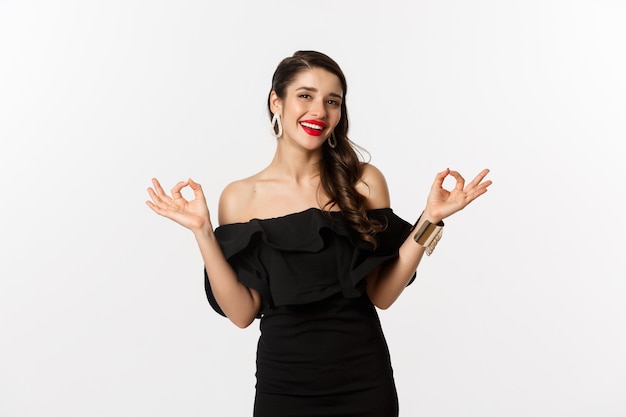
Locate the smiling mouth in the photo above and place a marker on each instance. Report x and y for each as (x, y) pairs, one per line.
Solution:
(312, 129)
(312, 126)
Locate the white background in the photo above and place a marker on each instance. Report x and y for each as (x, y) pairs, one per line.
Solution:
(521, 310)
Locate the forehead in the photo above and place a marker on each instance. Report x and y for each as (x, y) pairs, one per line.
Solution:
(317, 78)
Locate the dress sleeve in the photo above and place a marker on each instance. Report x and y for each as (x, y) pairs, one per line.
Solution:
(239, 243)
(388, 245)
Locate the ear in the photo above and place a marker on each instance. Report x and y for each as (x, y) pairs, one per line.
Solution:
(276, 103)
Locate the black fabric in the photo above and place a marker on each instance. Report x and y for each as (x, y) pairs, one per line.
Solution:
(321, 351)
(305, 256)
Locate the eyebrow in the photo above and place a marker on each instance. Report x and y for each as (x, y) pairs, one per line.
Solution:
(315, 90)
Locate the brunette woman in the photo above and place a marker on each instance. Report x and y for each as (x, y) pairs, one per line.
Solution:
(311, 247)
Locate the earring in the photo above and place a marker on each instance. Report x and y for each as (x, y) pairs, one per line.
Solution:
(332, 141)
(277, 126)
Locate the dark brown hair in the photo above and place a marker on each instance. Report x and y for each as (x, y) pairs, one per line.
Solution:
(340, 168)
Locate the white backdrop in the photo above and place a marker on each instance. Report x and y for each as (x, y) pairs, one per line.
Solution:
(521, 311)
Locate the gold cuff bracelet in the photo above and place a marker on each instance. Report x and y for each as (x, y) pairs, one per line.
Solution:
(428, 235)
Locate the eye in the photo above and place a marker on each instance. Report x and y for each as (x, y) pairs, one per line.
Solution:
(306, 96)
(333, 102)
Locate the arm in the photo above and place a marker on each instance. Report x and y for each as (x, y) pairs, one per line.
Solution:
(240, 303)
(385, 284)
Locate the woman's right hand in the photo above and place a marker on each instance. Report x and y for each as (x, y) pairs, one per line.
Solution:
(192, 214)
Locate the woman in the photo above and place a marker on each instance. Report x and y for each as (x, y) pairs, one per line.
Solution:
(310, 246)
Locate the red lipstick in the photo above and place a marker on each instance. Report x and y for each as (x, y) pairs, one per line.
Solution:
(313, 127)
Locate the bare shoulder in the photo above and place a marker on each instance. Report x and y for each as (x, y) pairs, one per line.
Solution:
(235, 200)
(373, 186)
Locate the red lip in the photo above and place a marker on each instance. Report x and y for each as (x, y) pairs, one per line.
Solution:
(314, 122)
(311, 131)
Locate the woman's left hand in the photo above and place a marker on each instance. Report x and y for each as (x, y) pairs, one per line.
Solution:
(442, 203)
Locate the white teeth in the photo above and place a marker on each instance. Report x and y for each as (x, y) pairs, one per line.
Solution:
(311, 126)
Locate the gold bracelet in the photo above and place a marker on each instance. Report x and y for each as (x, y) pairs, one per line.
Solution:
(428, 235)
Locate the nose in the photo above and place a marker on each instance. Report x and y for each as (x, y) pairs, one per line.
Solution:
(318, 108)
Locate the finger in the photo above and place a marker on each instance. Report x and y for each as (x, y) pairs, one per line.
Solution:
(460, 181)
(486, 183)
(479, 190)
(476, 192)
(440, 178)
(197, 188)
(478, 179)
(155, 197)
(155, 208)
(176, 190)
(157, 186)
(151, 205)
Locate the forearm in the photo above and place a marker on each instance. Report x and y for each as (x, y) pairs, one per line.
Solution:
(238, 302)
(385, 286)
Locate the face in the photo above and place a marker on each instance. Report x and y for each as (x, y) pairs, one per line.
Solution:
(310, 109)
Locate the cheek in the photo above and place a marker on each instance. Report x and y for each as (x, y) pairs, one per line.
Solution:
(337, 117)
(297, 109)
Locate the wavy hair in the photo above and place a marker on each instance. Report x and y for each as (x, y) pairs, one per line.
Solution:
(340, 168)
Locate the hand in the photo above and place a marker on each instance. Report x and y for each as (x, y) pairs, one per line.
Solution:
(442, 203)
(193, 214)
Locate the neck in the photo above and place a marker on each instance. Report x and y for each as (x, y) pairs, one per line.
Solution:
(300, 165)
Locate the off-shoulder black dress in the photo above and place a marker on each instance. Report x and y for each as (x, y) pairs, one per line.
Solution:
(321, 351)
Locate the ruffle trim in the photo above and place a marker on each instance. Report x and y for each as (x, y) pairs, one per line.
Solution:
(307, 232)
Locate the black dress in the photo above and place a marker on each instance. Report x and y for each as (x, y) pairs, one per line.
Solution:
(321, 351)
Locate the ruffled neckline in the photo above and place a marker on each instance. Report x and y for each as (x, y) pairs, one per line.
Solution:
(304, 230)
(290, 215)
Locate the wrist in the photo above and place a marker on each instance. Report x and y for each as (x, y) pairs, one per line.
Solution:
(427, 233)
(204, 233)
(431, 216)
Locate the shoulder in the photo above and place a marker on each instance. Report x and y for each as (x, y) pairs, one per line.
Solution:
(234, 201)
(373, 186)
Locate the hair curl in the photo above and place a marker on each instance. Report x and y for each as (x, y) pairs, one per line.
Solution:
(340, 168)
